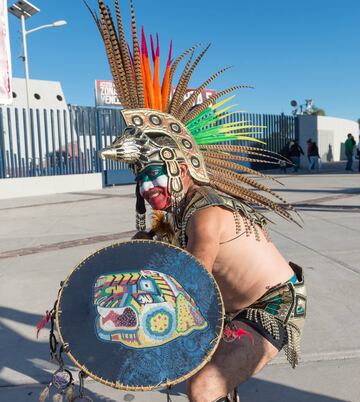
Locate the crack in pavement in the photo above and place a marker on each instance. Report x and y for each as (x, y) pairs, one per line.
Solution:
(97, 197)
(65, 244)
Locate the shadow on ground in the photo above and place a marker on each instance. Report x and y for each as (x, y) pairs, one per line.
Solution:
(22, 356)
(256, 390)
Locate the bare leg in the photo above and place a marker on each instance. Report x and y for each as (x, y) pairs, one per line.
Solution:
(232, 364)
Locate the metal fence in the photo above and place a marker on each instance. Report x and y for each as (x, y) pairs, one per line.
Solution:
(56, 142)
(60, 142)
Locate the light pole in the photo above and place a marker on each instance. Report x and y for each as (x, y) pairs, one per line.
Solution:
(22, 9)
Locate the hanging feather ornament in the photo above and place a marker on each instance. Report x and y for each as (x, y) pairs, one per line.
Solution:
(70, 393)
(58, 398)
(44, 394)
(161, 228)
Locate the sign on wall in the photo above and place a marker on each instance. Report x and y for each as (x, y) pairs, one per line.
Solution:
(105, 94)
(5, 57)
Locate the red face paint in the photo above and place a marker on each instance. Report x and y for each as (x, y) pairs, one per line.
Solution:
(158, 197)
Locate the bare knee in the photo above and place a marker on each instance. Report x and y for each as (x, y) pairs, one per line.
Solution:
(205, 387)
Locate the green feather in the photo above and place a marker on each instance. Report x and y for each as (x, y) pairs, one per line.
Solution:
(207, 129)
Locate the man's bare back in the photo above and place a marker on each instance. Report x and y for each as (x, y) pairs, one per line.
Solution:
(244, 267)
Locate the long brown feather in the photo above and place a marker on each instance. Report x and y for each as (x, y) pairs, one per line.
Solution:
(92, 13)
(248, 180)
(117, 52)
(109, 51)
(125, 56)
(198, 109)
(136, 56)
(178, 86)
(265, 158)
(173, 69)
(228, 164)
(250, 196)
(187, 105)
(257, 173)
(112, 49)
(182, 86)
(239, 148)
(245, 159)
(214, 163)
(103, 34)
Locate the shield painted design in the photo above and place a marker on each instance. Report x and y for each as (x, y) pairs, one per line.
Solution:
(140, 315)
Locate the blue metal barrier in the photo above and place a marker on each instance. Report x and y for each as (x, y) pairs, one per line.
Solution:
(61, 142)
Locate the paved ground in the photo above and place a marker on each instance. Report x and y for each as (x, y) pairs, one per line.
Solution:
(42, 238)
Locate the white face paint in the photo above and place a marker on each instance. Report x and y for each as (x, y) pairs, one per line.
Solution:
(161, 181)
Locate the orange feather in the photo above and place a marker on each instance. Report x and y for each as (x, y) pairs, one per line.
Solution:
(147, 70)
(156, 79)
(165, 88)
(146, 97)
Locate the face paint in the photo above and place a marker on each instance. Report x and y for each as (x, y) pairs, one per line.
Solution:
(153, 182)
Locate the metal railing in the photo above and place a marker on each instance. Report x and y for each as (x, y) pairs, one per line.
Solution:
(47, 142)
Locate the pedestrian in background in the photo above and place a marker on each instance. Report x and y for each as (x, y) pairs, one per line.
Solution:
(308, 150)
(349, 151)
(358, 152)
(314, 157)
(285, 151)
(295, 152)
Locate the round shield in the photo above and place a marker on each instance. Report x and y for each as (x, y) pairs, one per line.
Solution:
(140, 315)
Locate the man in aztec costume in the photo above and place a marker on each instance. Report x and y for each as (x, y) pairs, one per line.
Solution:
(188, 170)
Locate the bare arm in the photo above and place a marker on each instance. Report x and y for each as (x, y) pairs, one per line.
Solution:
(203, 231)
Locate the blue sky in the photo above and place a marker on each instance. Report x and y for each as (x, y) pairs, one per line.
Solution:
(287, 50)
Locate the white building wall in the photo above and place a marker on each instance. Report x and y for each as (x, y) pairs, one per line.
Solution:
(49, 108)
(333, 131)
(307, 129)
(43, 95)
(330, 134)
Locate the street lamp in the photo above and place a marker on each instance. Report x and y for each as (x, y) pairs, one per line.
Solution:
(23, 10)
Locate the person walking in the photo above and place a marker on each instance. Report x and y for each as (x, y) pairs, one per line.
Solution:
(314, 157)
(285, 153)
(349, 151)
(295, 152)
(358, 152)
(308, 150)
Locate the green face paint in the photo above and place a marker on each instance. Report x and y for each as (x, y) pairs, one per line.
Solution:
(151, 173)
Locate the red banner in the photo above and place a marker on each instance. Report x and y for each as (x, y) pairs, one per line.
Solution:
(105, 93)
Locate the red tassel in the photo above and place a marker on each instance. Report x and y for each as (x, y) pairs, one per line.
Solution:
(231, 334)
(228, 333)
(41, 324)
(239, 333)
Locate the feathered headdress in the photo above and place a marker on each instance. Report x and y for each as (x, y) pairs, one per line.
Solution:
(197, 134)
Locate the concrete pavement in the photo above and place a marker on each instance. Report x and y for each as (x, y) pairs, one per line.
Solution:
(43, 238)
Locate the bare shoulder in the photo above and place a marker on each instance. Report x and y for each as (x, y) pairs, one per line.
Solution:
(206, 217)
(214, 221)
(204, 233)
